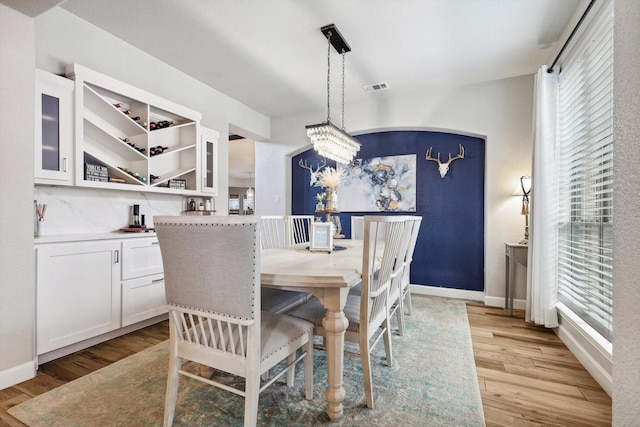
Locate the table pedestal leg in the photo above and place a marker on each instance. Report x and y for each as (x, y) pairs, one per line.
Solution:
(335, 324)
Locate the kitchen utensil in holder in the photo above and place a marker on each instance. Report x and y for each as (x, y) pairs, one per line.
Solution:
(40, 209)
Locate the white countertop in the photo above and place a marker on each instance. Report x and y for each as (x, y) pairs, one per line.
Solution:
(60, 238)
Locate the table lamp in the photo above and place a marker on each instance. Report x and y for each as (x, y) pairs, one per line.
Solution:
(524, 189)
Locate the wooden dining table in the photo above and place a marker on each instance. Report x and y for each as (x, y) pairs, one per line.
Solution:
(328, 276)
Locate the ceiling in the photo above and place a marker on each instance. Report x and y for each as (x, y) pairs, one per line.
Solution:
(271, 55)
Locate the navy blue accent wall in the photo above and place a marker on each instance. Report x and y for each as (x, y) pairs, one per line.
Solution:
(450, 248)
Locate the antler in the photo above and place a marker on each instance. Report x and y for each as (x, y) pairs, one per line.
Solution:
(305, 165)
(443, 168)
(314, 173)
(431, 158)
(459, 156)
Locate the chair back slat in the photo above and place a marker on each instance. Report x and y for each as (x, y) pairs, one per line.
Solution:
(223, 342)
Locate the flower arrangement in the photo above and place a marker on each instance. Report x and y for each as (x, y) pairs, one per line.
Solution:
(320, 197)
(330, 178)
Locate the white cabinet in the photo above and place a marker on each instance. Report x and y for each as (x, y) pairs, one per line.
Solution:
(210, 171)
(53, 153)
(130, 139)
(78, 292)
(143, 294)
(86, 289)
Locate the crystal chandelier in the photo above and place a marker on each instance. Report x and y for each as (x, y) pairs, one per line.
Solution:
(329, 140)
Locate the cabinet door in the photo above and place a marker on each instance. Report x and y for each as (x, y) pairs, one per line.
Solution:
(77, 292)
(142, 299)
(141, 257)
(53, 129)
(210, 171)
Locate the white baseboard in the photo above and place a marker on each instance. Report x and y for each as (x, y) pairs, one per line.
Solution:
(17, 374)
(447, 292)
(518, 304)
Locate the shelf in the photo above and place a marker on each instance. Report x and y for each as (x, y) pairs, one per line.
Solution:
(95, 135)
(174, 136)
(102, 127)
(158, 115)
(104, 114)
(175, 174)
(113, 171)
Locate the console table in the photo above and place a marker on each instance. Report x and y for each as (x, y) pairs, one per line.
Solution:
(514, 253)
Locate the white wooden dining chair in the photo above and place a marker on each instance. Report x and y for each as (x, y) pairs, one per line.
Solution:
(406, 280)
(400, 295)
(212, 284)
(357, 227)
(274, 231)
(368, 313)
(299, 228)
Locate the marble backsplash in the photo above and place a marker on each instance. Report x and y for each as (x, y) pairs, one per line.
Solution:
(72, 210)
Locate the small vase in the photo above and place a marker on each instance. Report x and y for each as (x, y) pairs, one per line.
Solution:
(332, 200)
(319, 207)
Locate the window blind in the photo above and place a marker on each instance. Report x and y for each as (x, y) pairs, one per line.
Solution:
(585, 132)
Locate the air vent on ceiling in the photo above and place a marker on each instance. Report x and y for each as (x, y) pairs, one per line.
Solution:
(376, 87)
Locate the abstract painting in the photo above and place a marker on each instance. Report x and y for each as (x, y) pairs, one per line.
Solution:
(379, 184)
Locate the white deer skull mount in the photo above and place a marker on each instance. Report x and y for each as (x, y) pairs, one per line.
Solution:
(315, 175)
(443, 168)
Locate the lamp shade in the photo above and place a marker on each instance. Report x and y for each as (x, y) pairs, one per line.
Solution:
(523, 182)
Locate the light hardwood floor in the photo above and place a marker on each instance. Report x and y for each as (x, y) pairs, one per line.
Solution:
(527, 376)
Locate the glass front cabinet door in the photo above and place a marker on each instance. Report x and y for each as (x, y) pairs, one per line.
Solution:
(53, 129)
(209, 161)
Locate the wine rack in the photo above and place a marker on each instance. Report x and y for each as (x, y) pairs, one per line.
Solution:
(144, 141)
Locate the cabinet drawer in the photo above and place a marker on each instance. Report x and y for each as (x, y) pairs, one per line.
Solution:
(142, 299)
(141, 257)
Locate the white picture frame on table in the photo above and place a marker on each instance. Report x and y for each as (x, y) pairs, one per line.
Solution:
(321, 237)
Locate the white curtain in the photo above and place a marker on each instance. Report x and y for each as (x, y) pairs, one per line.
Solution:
(543, 232)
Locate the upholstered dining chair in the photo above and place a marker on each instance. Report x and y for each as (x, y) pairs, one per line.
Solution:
(400, 295)
(368, 313)
(212, 285)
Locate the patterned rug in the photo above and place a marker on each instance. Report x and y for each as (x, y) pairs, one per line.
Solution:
(432, 383)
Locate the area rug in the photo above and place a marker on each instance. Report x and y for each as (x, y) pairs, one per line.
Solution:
(432, 382)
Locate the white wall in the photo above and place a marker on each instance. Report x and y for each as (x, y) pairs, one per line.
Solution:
(49, 42)
(500, 110)
(626, 268)
(17, 265)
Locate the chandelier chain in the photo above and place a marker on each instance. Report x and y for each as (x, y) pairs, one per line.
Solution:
(343, 53)
(329, 77)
